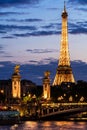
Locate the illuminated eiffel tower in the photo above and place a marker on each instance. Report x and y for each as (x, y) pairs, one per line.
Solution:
(64, 70)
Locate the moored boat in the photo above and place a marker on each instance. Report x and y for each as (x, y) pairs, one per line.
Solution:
(9, 117)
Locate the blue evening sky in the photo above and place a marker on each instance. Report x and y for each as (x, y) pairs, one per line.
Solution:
(30, 33)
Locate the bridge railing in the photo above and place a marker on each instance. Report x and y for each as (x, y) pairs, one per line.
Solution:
(58, 107)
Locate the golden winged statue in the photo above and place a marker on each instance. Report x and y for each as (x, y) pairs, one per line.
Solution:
(16, 69)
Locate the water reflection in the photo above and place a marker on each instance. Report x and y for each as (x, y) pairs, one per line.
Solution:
(48, 125)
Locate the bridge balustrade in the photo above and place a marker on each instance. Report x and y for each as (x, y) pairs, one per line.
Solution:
(60, 107)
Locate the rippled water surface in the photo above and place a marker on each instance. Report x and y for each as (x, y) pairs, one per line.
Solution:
(48, 125)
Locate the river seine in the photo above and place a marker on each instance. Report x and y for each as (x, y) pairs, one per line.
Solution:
(47, 125)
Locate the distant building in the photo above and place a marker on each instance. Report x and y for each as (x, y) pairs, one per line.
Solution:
(6, 88)
(27, 87)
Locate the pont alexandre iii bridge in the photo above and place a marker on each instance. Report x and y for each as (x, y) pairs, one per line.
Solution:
(59, 111)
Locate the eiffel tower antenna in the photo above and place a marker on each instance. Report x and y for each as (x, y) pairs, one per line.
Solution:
(64, 6)
(64, 70)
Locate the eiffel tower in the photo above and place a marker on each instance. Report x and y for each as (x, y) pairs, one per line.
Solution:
(64, 70)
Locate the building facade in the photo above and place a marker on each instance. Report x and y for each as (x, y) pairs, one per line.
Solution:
(16, 83)
(46, 85)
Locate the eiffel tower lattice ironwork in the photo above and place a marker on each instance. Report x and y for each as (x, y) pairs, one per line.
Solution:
(64, 70)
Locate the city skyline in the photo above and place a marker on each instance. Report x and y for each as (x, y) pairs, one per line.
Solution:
(30, 34)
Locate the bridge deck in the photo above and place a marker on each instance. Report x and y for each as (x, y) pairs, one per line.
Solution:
(61, 113)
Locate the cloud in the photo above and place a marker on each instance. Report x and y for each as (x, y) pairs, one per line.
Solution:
(32, 20)
(2, 31)
(51, 29)
(74, 28)
(52, 8)
(10, 27)
(35, 30)
(7, 3)
(41, 50)
(78, 30)
(78, 27)
(33, 62)
(10, 13)
(44, 33)
(35, 72)
(1, 49)
(82, 9)
(80, 70)
(23, 20)
(8, 37)
(6, 68)
(3, 53)
(7, 56)
(55, 26)
(37, 33)
(15, 27)
(21, 30)
(82, 2)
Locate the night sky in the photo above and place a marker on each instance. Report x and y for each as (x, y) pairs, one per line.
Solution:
(30, 34)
